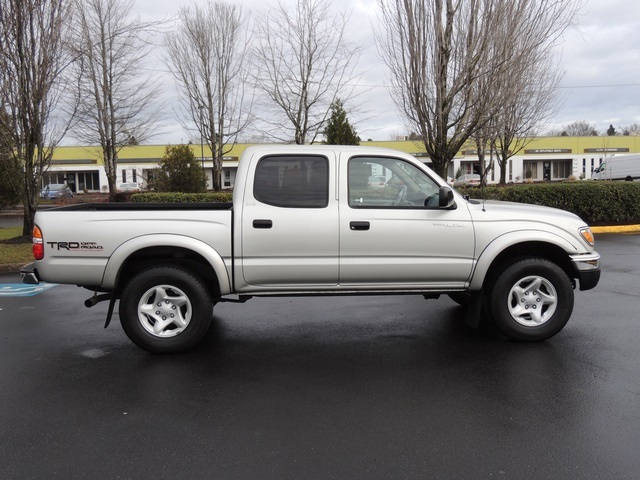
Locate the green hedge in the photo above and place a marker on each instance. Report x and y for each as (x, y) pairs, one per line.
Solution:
(174, 197)
(596, 202)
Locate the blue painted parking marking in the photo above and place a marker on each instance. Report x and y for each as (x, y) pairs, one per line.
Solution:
(23, 290)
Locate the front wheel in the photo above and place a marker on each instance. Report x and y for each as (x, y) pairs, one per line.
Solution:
(531, 300)
(165, 309)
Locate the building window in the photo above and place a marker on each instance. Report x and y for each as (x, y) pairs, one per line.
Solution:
(54, 177)
(227, 178)
(134, 175)
(561, 169)
(88, 181)
(150, 177)
(530, 169)
(124, 176)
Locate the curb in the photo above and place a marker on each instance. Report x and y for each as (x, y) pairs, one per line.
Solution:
(617, 229)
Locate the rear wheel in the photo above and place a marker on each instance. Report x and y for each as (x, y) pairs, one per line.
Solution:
(531, 300)
(165, 309)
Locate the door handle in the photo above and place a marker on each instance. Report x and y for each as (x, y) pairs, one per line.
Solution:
(359, 225)
(262, 224)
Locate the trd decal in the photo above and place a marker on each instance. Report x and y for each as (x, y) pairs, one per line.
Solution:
(75, 246)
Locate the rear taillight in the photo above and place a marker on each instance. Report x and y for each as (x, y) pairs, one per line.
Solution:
(38, 244)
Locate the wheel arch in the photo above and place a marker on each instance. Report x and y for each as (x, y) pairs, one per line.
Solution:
(505, 251)
(149, 250)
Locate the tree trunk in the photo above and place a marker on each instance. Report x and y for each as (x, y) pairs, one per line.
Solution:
(29, 213)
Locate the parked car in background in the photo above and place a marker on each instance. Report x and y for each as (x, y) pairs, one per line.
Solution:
(377, 181)
(467, 180)
(54, 191)
(129, 187)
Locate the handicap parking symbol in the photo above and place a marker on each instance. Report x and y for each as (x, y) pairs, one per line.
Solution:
(23, 290)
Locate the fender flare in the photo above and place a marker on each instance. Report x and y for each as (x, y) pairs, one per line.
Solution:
(125, 250)
(503, 242)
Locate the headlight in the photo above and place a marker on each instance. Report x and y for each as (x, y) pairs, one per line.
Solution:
(585, 233)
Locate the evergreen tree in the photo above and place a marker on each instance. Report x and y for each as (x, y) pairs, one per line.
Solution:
(11, 178)
(180, 171)
(338, 130)
(611, 131)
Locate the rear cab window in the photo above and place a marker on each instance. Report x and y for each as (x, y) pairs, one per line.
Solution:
(292, 181)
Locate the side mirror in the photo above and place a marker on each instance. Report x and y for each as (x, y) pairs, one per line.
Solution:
(446, 198)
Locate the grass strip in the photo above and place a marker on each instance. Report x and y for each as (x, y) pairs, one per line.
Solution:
(11, 252)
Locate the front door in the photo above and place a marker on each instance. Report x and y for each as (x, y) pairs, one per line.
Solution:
(393, 233)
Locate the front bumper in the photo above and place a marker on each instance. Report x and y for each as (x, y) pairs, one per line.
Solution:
(588, 269)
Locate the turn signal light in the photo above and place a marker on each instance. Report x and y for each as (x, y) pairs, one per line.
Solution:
(587, 235)
(38, 243)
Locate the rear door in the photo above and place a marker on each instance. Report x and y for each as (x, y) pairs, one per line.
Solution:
(290, 223)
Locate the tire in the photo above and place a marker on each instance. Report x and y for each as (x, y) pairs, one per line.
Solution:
(531, 300)
(165, 309)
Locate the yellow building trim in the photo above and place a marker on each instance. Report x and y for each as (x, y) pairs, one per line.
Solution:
(587, 146)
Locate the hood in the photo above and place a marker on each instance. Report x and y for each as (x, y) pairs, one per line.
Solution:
(494, 218)
(496, 210)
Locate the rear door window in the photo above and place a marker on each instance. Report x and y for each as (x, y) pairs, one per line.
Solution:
(292, 181)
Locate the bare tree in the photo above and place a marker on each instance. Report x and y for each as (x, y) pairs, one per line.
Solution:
(532, 101)
(528, 91)
(32, 59)
(116, 99)
(580, 128)
(434, 51)
(306, 63)
(632, 130)
(451, 61)
(207, 54)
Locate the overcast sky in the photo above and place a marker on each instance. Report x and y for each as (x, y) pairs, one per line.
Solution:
(601, 60)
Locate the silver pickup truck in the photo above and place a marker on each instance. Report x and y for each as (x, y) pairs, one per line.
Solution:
(319, 220)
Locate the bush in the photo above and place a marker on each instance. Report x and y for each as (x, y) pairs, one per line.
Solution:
(172, 197)
(180, 171)
(121, 197)
(596, 202)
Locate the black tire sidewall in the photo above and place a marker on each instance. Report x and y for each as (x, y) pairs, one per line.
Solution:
(192, 286)
(509, 277)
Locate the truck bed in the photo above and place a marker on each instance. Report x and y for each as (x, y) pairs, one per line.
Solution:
(82, 241)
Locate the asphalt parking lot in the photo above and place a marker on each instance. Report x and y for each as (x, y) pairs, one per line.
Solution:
(357, 387)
